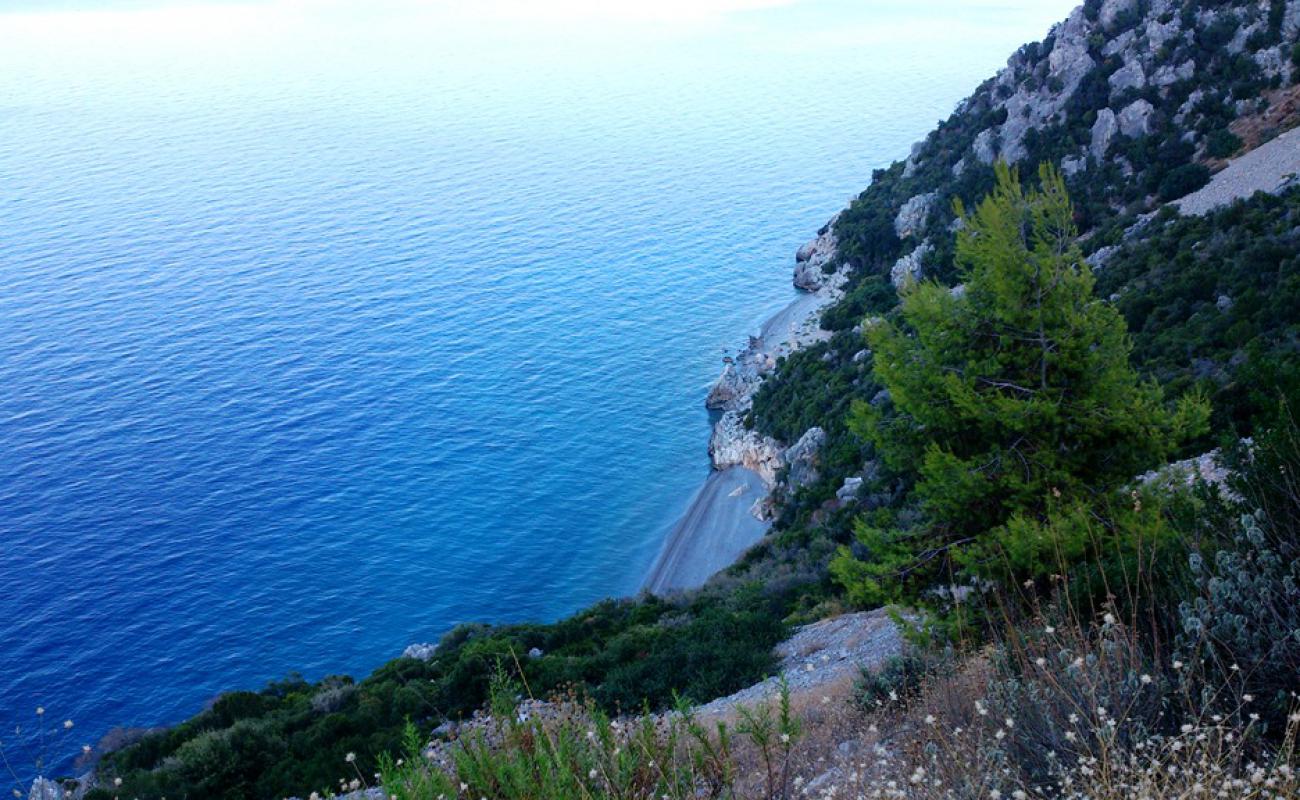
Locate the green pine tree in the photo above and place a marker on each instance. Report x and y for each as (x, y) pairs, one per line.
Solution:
(1012, 398)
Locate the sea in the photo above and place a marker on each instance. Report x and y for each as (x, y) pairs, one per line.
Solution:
(326, 326)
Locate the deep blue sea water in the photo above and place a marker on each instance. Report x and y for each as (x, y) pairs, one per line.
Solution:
(324, 328)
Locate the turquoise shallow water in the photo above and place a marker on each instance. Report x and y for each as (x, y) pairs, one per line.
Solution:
(322, 331)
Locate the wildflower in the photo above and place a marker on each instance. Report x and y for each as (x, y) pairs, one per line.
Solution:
(1146, 679)
(1049, 630)
(1109, 618)
(785, 738)
(350, 757)
(1178, 664)
(592, 774)
(67, 724)
(85, 748)
(1040, 661)
(117, 781)
(1247, 698)
(40, 711)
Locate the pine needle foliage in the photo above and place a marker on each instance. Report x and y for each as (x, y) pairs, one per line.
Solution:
(1012, 399)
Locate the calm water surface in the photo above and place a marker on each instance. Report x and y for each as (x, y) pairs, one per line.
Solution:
(323, 330)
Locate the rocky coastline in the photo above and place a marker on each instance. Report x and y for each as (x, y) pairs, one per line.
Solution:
(732, 444)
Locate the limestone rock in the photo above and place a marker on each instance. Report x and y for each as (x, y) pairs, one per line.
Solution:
(420, 651)
(1238, 43)
(848, 493)
(1069, 60)
(1103, 133)
(811, 260)
(1129, 76)
(1170, 74)
(1111, 11)
(1158, 33)
(803, 457)
(1135, 119)
(1119, 44)
(726, 390)
(910, 266)
(1073, 165)
(983, 147)
(45, 789)
(911, 217)
(732, 444)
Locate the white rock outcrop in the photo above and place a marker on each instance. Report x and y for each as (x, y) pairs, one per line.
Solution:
(811, 260)
(734, 445)
(911, 266)
(1103, 133)
(1129, 76)
(1136, 118)
(911, 217)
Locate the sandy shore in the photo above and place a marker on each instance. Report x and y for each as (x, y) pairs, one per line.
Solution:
(716, 530)
(718, 527)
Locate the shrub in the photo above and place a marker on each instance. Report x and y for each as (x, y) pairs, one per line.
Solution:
(1182, 181)
(1244, 622)
(1222, 144)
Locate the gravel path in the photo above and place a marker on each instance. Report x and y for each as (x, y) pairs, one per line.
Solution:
(1271, 167)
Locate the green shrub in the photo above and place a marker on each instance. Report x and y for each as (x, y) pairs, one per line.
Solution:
(1222, 144)
(1182, 181)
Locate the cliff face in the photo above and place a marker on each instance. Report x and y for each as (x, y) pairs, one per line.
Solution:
(1135, 100)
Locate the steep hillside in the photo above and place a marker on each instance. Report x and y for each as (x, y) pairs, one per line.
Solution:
(1139, 103)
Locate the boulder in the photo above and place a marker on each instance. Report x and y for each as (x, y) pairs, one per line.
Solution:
(910, 266)
(911, 217)
(803, 457)
(1103, 133)
(848, 493)
(1073, 165)
(1135, 119)
(1129, 76)
(1170, 74)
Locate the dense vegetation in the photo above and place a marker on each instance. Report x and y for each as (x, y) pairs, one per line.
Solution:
(1006, 403)
(1211, 305)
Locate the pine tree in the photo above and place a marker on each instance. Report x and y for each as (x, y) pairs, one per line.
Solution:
(1010, 396)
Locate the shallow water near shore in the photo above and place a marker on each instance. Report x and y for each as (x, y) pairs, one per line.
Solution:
(322, 331)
